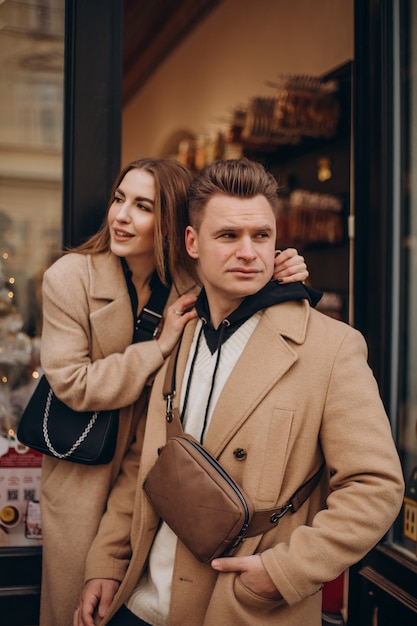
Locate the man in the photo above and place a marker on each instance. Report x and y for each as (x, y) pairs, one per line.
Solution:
(272, 388)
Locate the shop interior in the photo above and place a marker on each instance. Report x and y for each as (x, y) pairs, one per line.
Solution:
(253, 78)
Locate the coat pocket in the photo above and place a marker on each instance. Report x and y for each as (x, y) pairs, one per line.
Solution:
(274, 455)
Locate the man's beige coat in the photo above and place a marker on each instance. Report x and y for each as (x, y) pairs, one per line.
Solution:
(90, 364)
(301, 392)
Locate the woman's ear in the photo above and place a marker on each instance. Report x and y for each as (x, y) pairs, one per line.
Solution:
(191, 242)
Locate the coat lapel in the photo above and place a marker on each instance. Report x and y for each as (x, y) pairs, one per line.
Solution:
(109, 304)
(266, 358)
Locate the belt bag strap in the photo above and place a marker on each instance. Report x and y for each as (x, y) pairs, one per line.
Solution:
(264, 519)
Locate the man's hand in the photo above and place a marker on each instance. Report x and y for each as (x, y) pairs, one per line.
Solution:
(98, 593)
(252, 574)
(289, 266)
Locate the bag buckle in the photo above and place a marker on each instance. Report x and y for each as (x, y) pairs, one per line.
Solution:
(170, 405)
(149, 320)
(277, 516)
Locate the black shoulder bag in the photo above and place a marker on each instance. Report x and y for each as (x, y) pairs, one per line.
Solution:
(87, 437)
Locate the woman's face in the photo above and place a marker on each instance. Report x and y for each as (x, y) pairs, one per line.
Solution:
(131, 218)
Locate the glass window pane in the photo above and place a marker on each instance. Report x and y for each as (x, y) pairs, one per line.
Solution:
(31, 112)
(405, 534)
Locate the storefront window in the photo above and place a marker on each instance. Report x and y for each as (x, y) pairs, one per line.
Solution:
(405, 331)
(31, 112)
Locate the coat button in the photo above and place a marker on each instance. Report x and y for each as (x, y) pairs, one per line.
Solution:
(240, 454)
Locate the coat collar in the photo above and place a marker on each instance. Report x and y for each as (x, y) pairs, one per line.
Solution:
(107, 280)
(266, 358)
(110, 306)
(272, 293)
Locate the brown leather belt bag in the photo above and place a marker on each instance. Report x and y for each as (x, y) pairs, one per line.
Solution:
(188, 488)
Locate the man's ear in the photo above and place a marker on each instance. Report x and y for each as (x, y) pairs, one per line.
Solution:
(191, 244)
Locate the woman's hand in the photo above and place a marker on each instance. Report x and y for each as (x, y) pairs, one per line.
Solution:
(97, 594)
(175, 318)
(289, 267)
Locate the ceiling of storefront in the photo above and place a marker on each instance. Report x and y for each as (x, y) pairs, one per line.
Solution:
(152, 29)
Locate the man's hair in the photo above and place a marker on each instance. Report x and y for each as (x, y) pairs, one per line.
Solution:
(240, 178)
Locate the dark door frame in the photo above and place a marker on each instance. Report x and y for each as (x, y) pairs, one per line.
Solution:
(92, 113)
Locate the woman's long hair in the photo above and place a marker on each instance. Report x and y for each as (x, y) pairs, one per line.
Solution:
(171, 217)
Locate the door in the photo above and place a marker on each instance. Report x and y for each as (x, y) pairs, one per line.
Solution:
(382, 588)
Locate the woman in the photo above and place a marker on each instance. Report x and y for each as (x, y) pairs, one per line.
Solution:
(95, 355)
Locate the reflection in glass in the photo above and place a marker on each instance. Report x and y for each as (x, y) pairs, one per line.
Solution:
(406, 527)
(31, 108)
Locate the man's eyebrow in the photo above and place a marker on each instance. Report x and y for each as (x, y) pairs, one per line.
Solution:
(235, 228)
(264, 227)
(224, 229)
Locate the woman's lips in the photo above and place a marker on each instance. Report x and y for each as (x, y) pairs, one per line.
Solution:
(121, 235)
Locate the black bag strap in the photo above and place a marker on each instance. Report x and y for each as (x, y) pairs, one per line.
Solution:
(264, 519)
(151, 315)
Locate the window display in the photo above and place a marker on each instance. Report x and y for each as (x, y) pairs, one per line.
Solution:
(31, 110)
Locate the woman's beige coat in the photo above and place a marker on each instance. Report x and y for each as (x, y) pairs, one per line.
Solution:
(301, 391)
(90, 363)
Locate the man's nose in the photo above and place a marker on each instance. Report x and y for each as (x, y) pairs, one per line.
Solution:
(246, 248)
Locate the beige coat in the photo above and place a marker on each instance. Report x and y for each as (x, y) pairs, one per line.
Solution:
(88, 359)
(301, 391)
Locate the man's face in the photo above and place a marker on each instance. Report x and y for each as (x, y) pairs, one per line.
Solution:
(235, 248)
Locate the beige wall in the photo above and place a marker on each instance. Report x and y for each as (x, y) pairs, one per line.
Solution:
(226, 60)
